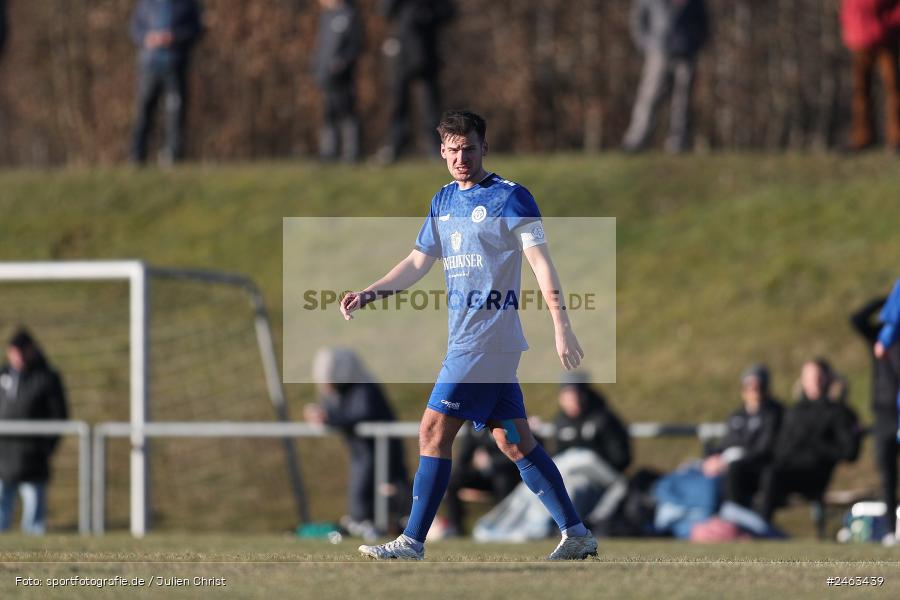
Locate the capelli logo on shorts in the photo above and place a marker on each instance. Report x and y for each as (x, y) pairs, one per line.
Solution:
(450, 405)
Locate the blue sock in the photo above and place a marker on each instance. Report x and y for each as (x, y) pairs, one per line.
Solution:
(540, 474)
(429, 487)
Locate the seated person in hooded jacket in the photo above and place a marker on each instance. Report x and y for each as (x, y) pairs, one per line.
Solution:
(746, 449)
(818, 431)
(586, 421)
(349, 396)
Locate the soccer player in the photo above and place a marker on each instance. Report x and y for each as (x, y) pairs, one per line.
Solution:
(479, 227)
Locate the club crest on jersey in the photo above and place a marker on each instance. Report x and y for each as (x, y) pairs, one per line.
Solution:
(479, 214)
(456, 241)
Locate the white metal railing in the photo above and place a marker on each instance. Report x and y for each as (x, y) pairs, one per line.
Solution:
(224, 429)
(20, 428)
(381, 432)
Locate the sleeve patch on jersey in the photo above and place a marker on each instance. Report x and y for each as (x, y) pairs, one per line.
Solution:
(531, 234)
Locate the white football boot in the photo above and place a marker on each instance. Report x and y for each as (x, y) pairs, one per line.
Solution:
(399, 548)
(575, 548)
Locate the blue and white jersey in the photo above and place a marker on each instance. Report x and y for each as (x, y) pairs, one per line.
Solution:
(478, 236)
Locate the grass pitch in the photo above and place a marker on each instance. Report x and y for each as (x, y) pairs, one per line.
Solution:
(269, 567)
(723, 260)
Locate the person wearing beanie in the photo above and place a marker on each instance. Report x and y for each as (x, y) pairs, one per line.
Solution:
(746, 449)
(29, 389)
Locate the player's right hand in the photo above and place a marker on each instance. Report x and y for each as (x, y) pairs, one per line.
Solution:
(350, 303)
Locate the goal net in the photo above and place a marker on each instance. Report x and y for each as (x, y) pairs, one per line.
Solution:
(206, 336)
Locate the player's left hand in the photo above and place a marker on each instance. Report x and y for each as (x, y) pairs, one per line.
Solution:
(568, 349)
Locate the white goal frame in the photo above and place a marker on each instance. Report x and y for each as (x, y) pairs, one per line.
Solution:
(138, 275)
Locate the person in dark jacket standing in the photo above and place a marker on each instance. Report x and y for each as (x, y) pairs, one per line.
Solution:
(29, 389)
(885, 388)
(670, 33)
(164, 32)
(413, 55)
(746, 449)
(350, 396)
(586, 421)
(818, 431)
(338, 45)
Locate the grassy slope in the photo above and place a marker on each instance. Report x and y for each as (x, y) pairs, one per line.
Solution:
(258, 567)
(722, 260)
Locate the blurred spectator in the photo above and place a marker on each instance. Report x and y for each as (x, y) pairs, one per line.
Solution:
(746, 448)
(885, 389)
(596, 489)
(481, 472)
(164, 32)
(586, 421)
(412, 51)
(684, 498)
(670, 33)
(870, 30)
(29, 389)
(338, 45)
(350, 396)
(819, 431)
(3, 26)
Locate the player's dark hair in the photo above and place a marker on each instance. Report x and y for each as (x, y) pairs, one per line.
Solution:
(461, 122)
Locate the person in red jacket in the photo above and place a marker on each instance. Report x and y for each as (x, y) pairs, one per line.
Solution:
(871, 30)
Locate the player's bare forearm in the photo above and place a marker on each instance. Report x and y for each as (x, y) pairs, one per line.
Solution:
(567, 346)
(548, 280)
(404, 275)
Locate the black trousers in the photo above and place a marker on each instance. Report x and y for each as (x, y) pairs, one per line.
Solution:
(779, 480)
(886, 449)
(361, 481)
(742, 481)
(167, 80)
(402, 84)
(339, 136)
